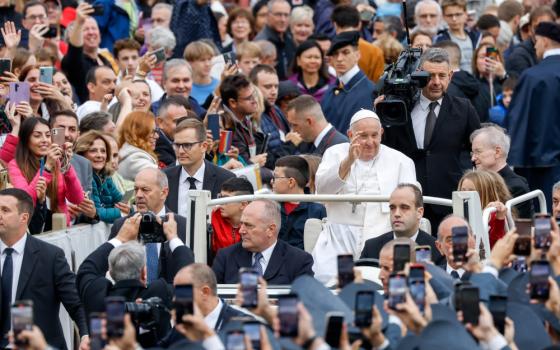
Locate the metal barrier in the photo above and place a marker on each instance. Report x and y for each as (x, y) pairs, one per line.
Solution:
(523, 198)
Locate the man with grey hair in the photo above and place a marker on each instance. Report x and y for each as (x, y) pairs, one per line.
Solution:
(307, 119)
(436, 134)
(161, 37)
(556, 200)
(363, 166)
(445, 244)
(275, 260)
(161, 15)
(427, 15)
(490, 147)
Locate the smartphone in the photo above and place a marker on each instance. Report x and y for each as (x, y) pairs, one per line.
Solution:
(183, 301)
(397, 289)
(235, 340)
(22, 319)
(160, 55)
(498, 308)
(114, 311)
(127, 196)
(214, 125)
(523, 243)
(460, 242)
(519, 264)
(51, 33)
(19, 92)
(423, 253)
(469, 296)
(5, 65)
(345, 263)
(363, 309)
(333, 331)
(98, 10)
(457, 293)
(543, 226)
(46, 75)
(253, 330)
(264, 144)
(492, 52)
(366, 15)
(57, 136)
(401, 256)
(538, 280)
(230, 58)
(249, 280)
(288, 315)
(225, 141)
(417, 285)
(95, 331)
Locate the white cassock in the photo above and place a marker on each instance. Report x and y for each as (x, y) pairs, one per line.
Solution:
(349, 226)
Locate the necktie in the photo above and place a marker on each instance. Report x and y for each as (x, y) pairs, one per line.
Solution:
(257, 264)
(6, 283)
(192, 183)
(455, 275)
(430, 124)
(152, 261)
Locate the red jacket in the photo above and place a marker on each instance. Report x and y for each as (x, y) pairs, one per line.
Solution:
(224, 234)
(497, 229)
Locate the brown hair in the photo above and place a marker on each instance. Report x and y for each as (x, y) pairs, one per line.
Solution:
(125, 44)
(195, 124)
(136, 130)
(490, 186)
(198, 50)
(475, 71)
(84, 143)
(248, 49)
(459, 3)
(240, 12)
(20, 58)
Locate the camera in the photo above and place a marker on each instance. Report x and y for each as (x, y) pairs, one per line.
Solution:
(146, 314)
(150, 230)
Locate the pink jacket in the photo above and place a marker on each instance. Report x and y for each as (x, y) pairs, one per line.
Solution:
(8, 150)
(69, 187)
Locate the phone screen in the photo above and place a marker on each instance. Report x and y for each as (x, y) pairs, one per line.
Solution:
(235, 340)
(22, 318)
(498, 308)
(249, 279)
(288, 315)
(114, 310)
(423, 254)
(253, 331)
(95, 331)
(397, 290)
(460, 241)
(492, 52)
(523, 243)
(363, 309)
(214, 125)
(334, 330)
(470, 304)
(5, 65)
(46, 75)
(183, 301)
(160, 55)
(401, 256)
(538, 279)
(417, 286)
(542, 231)
(345, 270)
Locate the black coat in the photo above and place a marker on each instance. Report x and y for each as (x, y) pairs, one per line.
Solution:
(46, 279)
(373, 246)
(464, 84)
(164, 150)
(285, 265)
(522, 57)
(169, 263)
(517, 185)
(332, 137)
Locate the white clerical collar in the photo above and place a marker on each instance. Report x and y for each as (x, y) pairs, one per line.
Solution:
(425, 102)
(346, 77)
(322, 134)
(413, 238)
(551, 52)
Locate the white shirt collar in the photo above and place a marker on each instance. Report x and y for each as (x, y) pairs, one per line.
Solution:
(212, 318)
(551, 52)
(322, 134)
(162, 212)
(346, 77)
(267, 253)
(199, 175)
(412, 238)
(19, 247)
(425, 102)
(460, 270)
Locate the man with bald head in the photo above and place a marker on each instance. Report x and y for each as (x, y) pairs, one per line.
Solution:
(363, 166)
(386, 259)
(445, 244)
(275, 260)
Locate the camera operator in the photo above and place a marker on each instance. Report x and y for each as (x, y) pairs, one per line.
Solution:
(125, 259)
(163, 259)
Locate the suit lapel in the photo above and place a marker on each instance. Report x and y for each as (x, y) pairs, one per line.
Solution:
(323, 145)
(173, 196)
(444, 113)
(276, 260)
(209, 175)
(30, 258)
(243, 257)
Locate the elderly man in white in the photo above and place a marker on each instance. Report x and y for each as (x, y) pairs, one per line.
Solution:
(363, 166)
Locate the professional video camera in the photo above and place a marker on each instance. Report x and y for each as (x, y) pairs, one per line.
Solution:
(400, 84)
(147, 313)
(150, 230)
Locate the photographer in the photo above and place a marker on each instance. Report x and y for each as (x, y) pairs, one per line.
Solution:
(163, 258)
(125, 259)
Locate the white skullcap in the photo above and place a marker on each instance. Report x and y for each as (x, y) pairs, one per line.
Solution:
(363, 114)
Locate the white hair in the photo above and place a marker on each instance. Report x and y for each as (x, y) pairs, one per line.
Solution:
(426, 3)
(300, 14)
(495, 137)
(162, 37)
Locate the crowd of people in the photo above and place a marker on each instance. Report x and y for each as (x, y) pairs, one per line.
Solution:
(112, 111)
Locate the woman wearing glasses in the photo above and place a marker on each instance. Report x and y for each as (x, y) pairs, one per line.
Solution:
(137, 142)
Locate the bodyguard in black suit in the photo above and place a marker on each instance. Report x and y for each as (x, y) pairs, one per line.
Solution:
(407, 208)
(436, 133)
(43, 274)
(307, 119)
(170, 110)
(275, 260)
(194, 172)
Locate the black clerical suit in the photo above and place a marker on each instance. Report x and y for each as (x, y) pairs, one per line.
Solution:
(517, 186)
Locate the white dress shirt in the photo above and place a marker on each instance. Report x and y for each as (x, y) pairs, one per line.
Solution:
(212, 318)
(551, 52)
(346, 77)
(322, 134)
(184, 205)
(17, 260)
(413, 238)
(267, 253)
(460, 270)
(419, 115)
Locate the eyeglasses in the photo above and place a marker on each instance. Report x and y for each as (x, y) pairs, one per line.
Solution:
(187, 146)
(37, 17)
(251, 97)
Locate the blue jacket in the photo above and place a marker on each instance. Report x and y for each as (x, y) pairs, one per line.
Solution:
(276, 147)
(105, 194)
(114, 24)
(293, 225)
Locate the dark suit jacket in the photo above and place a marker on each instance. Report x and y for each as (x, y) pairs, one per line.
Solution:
(438, 168)
(517, 185)
(332, 137)
(169, 264)
(164, 150)
(214, 177)
(46, 279)
(373, 246)
(285, 265)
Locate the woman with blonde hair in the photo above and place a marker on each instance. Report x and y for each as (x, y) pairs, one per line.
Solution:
(493, 192)
(137, 142)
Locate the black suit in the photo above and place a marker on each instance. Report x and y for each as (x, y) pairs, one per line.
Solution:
(168, 265)
(46, 279)
(214, 177)
(331, 138)
(285, 265)
(517, 185)
(438, 168)
(94, 287)
(164, 150)
(373, 246)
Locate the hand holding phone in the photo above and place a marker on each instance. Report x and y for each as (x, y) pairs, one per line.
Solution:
(417, 285)
(214, 125)
(538, 280)
(397, 290)
(363, 310)
(249, 279)
(345, 263)
(57, 136)
(523, 243)
(115, 310)
(401, 256)
(288, 315)
(183, 302)
(460, 243)
(469, 300)
(333, 331)
(423, 253)
(22, 319)
(543, 226)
